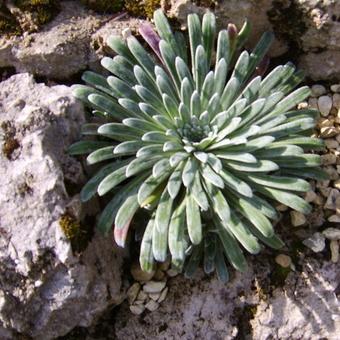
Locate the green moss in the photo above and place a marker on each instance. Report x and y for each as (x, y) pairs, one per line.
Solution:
(142, 8)
(42, 11)
(104, 6)
(78, 234)
(10, 143)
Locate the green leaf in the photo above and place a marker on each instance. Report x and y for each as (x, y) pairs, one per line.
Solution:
(112, 180)
(90, 188)
(211, 176)
(240, 230)
(220, 75)
(236, 184)
(163, 212)
(293, 201)
(160, 167)
(148, 187)
(314, 173)
(100, 155)
(160, 242)
(221, 268)
(120, 67)
(106, 218)
(198, 193)
(209, 253)
(146, 259)
(194, 261)
(230, 92)
(86, 146)
(208, 33)
(195, 36)
(141, 55)
(259, 220)
(301, 161)
(176, 235)
(259, 166)
(175, 181)
(231, 248)
(127, 148)
(140, 164)
(189, 171)
(119, 88)
(96, 80)
(201, 67)
(219, 203)
(237, 156)
(279, 182)
(193, 218)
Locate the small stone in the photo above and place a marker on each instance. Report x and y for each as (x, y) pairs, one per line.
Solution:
(172, 272)
(334, 218)
(154, 287)
(154, 296)
(332, 199)
(303, 105)
(297, 218)
(323, 184)
(137, 309)
(336, 100)
(310, 196)
(328, 159)
(133, 292)
(142, 296)
(318, 90)
(336, 184)
(332, 173)
(313, 103)
(325, 191)
(319, 200)
(331, 143)
(316, 242)
(152, 305)
(335, 88)
(163, 294)
(334, 247)
(283, 260)
(328, 131)
(325, 104)
(139, 275)
(332, 233)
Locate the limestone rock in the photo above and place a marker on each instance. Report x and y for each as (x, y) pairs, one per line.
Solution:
(46, 289)
(208, 309)
(72, 42)
(316, 242)
(325, 104)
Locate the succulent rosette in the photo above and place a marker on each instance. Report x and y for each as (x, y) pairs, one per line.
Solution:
(196, 136)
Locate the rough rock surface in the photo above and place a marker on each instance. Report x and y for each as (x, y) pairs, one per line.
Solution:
(71, 43)
(45, 289)
(308, 29)
(305, 307)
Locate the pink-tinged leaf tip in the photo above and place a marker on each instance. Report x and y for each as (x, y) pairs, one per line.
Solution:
(120, 234)
(151, 37)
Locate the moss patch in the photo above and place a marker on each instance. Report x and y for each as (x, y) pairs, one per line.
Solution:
(104, 6)
(8, 23)
(142, 8)
(10, 143)
(77, 233)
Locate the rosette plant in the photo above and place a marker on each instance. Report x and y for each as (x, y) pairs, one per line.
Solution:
(197, 137)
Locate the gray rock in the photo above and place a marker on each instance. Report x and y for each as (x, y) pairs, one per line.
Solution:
(69, 44)
(309, 27)
(316, 242)
(248, 307)
(45, 289)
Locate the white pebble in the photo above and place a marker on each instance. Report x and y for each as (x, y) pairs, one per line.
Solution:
(318, 90)
(283, 260)
(137, 309)
(316, 242)
(325, 105)
(152, 305)
(334, 218)
(163, 294)
(332, 198)
(154, 287)
(336, 100)
(154, 296)
(334, 247)
(332, 233)
(335, 88)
